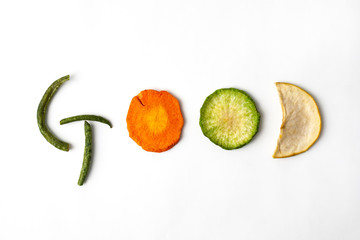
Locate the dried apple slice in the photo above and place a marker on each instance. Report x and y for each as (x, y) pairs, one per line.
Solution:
(301, 123)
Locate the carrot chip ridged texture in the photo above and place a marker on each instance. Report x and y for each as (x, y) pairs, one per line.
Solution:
(154, 120)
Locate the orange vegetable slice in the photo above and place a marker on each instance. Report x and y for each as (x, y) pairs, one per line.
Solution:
(154, 120)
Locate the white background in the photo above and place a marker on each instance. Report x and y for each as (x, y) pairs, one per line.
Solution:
(115, 49)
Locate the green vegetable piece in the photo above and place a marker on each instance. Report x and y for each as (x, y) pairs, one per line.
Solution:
(85, 117)
(229, 118)
(42, 111)
(87, 154)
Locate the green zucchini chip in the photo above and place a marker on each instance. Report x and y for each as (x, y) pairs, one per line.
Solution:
(229, 118)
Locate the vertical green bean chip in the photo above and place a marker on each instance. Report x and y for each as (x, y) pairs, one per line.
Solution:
(87, 153)
(42, 111)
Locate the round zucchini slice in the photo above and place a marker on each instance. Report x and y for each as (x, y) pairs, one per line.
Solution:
(229, 118)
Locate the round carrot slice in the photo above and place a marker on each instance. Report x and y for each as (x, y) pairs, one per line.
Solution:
(154, 120)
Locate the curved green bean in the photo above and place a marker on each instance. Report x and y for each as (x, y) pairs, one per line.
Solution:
(41, 115)
(85, 117)
(87, 153)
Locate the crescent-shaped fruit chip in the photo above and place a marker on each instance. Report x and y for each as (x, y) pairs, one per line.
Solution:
(301, 123)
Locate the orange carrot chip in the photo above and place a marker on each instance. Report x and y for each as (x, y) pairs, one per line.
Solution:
(154, 120)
